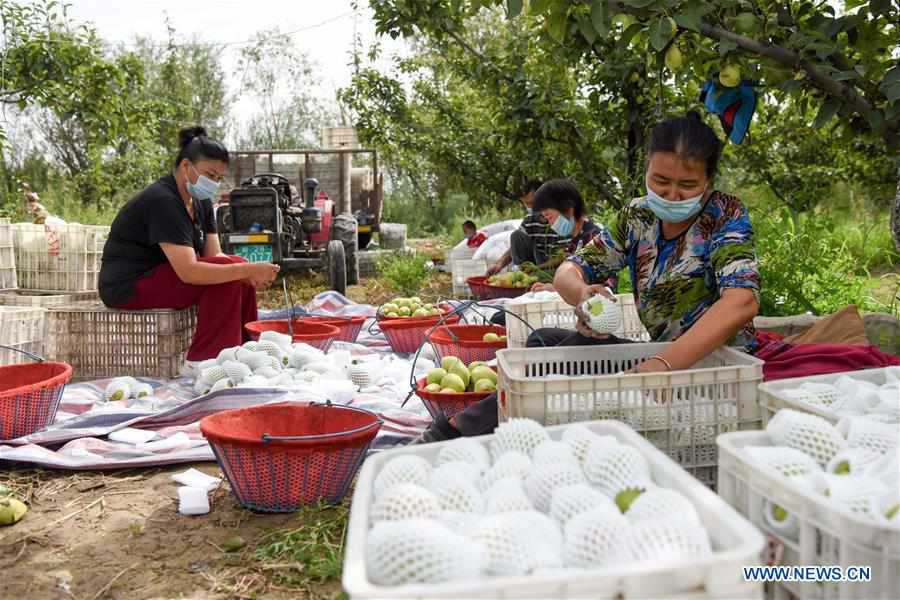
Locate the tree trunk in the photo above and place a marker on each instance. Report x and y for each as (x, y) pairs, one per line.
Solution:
(895, 215)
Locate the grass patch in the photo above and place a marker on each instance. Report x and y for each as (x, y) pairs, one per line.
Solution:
(307, 556)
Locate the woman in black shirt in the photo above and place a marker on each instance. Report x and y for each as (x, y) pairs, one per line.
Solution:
(163, 252)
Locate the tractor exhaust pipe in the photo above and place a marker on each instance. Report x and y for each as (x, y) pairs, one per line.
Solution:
(311, 216)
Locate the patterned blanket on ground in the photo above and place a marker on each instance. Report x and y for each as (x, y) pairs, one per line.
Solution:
(78, 438)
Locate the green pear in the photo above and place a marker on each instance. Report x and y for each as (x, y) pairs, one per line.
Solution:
(435, 375)
(476, 363)
(11, 511)
(453, 382)
(624, 498)
(485, 385)
(483, 372)
(490, 337)
(434, 388)
(746, 23)
(842, 468)
(674, 59)
(448, 361)
(778, 513)
(459, 369)
(420, 312)
(404, 311)
(730, 76)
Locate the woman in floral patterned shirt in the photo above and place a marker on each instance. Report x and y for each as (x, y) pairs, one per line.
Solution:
(689, 249)
(690, 252)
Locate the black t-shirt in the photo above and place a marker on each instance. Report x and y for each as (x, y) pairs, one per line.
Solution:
(156, 215)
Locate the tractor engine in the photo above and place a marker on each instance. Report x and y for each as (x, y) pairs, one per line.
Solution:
(265, 203)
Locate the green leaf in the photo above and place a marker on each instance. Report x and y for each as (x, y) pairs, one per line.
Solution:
(791, 85)
(599, 17)
(892, 92)
(660, 33)
(876, 120)
(628, 34)
(587, 30)
(692, 21)
(513, 8)
(892, 76)
(844, 75)
(536, 7)
(639, 3)
(726, 47)
(556, 25)
(828, 110)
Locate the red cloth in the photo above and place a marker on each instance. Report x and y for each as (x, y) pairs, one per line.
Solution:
(222, 309)
(783, 360)
(476, 240)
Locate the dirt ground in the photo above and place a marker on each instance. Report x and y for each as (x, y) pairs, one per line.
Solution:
(118, 535)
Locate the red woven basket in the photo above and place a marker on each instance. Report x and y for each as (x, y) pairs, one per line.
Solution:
(482, 290)
(319, 335)
(448, 404)
(349, 327)
(406, 335)
(464, 342)
(29, 396)
(282, 457)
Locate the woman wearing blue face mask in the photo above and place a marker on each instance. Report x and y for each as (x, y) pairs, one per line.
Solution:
(562, 206)
(163, 252)
(689, 249)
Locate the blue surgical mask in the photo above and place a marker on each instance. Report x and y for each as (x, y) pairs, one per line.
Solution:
(673, 212)
(563, 226)
(204, 189)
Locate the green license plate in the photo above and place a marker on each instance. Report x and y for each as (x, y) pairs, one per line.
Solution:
(254, 252)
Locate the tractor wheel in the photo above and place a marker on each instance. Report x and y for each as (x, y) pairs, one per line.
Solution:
(337, 266)
(343, 228)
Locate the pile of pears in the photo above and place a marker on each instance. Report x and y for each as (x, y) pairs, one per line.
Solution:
(401, 308)
(454, 377)
(513, 279)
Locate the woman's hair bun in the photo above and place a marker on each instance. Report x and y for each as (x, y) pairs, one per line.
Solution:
(189, 133)
(693, 114)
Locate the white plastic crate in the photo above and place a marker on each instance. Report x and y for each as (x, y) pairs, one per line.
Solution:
(735, 543)
(44, 299)
(681, 412)
(7, 257)
(21, 328)
(561, 314)
(827, 536)
(460, 252)
(72, 266)
(463, 268)
(772, 397)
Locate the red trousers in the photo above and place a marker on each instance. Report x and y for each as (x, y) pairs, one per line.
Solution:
(222, 309)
